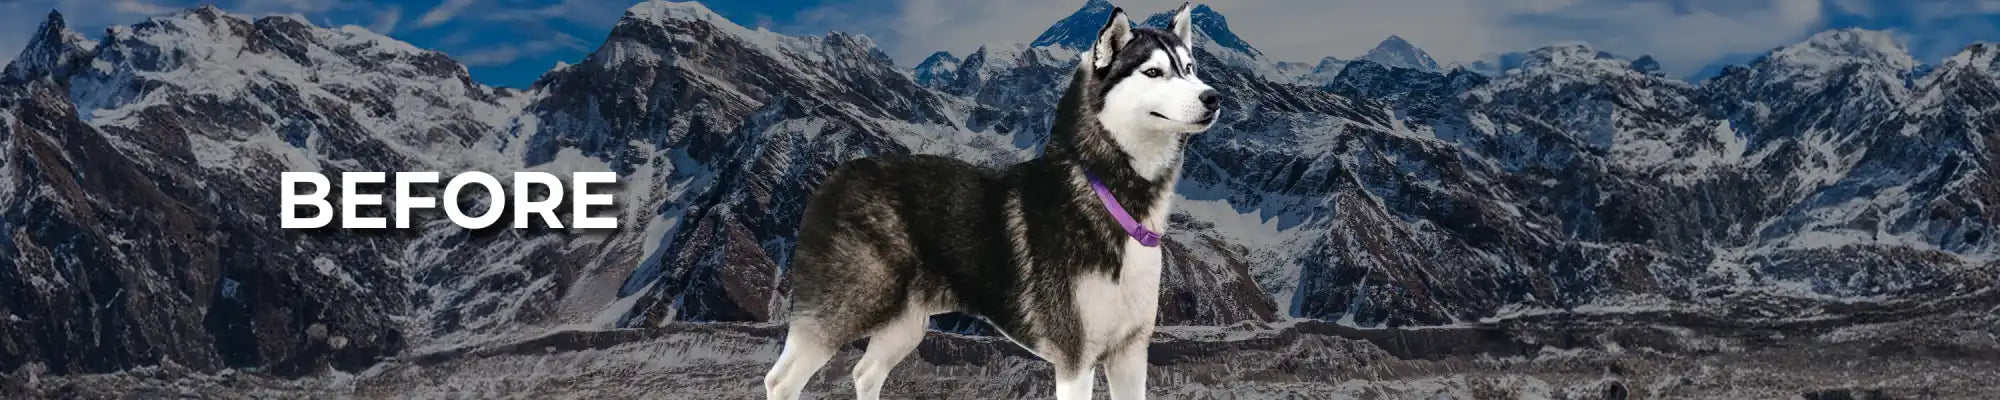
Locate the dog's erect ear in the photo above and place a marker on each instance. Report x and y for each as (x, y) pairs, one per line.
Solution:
(1183, 25)
(1111, 38)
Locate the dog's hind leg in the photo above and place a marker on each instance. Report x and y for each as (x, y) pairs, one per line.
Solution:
(806, 349)
(888, 346)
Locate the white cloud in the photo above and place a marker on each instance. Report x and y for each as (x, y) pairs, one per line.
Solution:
(266, 7)
(1919, 12)
(600, 13)
(507, 53)
(140, 7)
(498, 55)
(386, 20)
(443, 12)
(1684, 35)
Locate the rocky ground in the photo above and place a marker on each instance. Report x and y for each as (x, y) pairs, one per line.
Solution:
(1948, 350)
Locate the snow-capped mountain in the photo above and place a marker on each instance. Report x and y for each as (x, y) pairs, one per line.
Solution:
(1324, 72)
(138, 180)
(1079, 29)
(1212, 28)
(1399, 53)
(55, 47)
(139, 191)
(1393, 52)
(937, 69)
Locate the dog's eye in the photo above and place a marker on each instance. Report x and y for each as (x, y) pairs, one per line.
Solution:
(1152, 72)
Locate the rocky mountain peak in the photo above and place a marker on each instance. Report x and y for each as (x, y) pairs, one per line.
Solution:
(209, 38)
(1837, 48)
(939, 68)
(1977, 65)
(1646, 63)
(1321, 73)
(1330, 64)
(658, 32)
(264, 63)
(1578, 58)
(661, 10)
(641, 19)
(1212, 25)
(1396, 52)
(53, 50)
(1000, 58)
(1079, 29)
(1872, 66)
(52, 26)
(1984, 57)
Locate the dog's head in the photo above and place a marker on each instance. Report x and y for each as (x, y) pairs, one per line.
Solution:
(1146, 79)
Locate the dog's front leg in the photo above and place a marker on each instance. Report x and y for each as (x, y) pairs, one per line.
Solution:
(1125, 371)
(1075, 382)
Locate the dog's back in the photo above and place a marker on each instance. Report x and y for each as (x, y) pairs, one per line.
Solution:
(882, 246)
(880, 232)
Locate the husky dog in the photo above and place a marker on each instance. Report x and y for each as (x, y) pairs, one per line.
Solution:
(1060, 254)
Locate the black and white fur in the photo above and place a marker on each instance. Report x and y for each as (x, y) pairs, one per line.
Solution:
(887, 242)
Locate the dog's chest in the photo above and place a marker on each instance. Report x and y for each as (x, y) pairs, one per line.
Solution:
(1115, 310)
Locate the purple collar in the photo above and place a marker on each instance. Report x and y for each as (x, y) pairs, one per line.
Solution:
(1132, 227)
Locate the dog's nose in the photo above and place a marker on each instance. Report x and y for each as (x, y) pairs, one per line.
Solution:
(1211, 99)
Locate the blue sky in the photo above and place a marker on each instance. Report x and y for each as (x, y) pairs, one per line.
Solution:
(511, 42)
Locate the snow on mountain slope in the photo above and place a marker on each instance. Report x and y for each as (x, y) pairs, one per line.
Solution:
(1392, 53)
(277, 73)
(1817, 173)
(1647, 124)
(146, 177)
(1324, 72)
(1212, 28)
(940, 67)
(1079, 29)
(731, 133)
(1858, 164)
(1791, 157)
